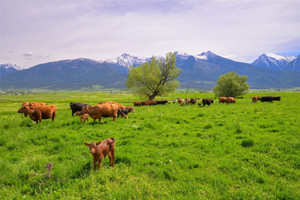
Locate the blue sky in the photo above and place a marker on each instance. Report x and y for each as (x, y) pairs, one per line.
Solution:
(39, 31)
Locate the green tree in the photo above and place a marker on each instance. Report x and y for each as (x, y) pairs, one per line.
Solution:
(231, 85)
(155, 78)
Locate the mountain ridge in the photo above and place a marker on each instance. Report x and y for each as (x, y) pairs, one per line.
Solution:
(200, 71)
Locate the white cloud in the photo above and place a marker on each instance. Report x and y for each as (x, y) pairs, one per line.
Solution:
(105, 29)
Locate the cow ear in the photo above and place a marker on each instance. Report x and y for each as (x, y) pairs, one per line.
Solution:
(86, 144)
(98, 143)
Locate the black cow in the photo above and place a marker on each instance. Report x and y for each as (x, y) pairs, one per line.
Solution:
(161, 102)
(207, 101)
(276, 98)
(124, 112)
(267, 99)
(77, 107)
(193, 101)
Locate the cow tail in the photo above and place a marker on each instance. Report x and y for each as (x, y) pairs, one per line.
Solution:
(113, 139)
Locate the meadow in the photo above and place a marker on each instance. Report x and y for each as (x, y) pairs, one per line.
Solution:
(236, 151)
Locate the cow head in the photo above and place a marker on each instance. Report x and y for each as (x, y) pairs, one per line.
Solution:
(22, 110)
(84, 110)
(29, 109)
(92, 146)
(130, 109)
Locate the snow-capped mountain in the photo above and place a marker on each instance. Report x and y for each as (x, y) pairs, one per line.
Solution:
(206, 55)
(8, 68)
(294, 65)
(273, 61)
(126, 60)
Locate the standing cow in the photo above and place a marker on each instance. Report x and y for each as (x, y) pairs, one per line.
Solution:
(41, 112)
(77, 107)
(255, 99)
(207, 101)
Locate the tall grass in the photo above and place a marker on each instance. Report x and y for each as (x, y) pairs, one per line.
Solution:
(237, 151)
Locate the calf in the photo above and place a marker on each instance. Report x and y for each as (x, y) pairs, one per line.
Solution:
(77, 107)
(83, 117)
(41, 112)
(101, 149)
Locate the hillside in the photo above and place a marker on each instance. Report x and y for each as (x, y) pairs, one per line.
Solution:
(200, 71)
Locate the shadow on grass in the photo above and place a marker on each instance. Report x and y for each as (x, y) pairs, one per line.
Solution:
(83, 171)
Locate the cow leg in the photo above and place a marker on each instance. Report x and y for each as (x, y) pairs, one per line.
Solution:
(112, 157)
(114, 117)
(95, 164)
(99, 119)
(99, 163)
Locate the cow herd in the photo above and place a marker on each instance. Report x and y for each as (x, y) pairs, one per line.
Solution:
(39, 110)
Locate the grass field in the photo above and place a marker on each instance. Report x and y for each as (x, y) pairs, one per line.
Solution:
(237, 151)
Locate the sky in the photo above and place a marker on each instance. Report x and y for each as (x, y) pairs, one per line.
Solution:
(39, 31)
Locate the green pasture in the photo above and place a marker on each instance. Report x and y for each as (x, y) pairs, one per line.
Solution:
(237, 151)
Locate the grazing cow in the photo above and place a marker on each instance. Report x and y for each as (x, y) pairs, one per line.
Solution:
(138, 103)
(187, 101)
(207, 101)
(277, 98)
(230, 100)
(199, 104)
(222, 99)
(161, 102)
(267, 99)
(76, 107)
(193, 101)
(23, 110)
(102, 110)
(150, 103)
(101, 149)
(255, 99)
(180, 101)
(124, 112)
(84, 117)
(37, 113)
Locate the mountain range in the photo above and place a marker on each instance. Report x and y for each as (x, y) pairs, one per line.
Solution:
(199, 71)
(276, 62)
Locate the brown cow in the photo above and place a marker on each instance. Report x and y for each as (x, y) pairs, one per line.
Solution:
(139, 103)
(222, 99)
(102, 110)
(23, 110)
(101, 149)
(230, 100)
(150, 103)
(180, 101)
(121, 107)
(37, 113)
(187, 101)
(255, 99)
